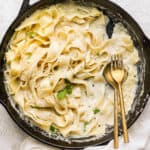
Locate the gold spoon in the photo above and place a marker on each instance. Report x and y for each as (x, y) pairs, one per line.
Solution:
(118, 74)
(110, 80)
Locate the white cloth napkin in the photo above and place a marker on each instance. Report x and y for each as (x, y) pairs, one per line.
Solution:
(13, 138)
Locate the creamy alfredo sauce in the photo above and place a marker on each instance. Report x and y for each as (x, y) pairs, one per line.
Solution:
(54, 69)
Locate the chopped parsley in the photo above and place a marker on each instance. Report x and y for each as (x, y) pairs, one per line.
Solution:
(53, 129)
(96, 110)
(67, 90)
(62, 94)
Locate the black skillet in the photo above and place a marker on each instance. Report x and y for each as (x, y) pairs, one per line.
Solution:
(116, 14)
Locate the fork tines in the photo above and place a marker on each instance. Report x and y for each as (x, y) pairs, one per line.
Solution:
(117, 61)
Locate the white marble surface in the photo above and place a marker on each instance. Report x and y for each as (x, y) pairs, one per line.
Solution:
(10, 135)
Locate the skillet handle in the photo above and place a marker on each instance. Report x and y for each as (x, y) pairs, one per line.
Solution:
(146, 45)
(3, 96)
(3, 93)
(25, 5)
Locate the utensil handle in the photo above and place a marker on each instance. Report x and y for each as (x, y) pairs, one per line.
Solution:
(124, 124)
(115, 119)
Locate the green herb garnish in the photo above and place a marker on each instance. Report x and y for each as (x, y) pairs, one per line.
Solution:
(31, 34)
(53, 129)
(67, 90)
(96, 110)
(62, 94)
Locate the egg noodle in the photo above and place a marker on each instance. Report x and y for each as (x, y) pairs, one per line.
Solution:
(54, 69)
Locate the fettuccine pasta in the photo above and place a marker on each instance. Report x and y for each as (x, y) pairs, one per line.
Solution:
(54, 70)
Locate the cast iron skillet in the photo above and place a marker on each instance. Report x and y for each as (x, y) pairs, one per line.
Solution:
(116, 14)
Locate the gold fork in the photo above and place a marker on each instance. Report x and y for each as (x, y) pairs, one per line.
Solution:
(118, 73)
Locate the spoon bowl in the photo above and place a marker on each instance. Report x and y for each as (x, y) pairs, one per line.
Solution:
(108, 76)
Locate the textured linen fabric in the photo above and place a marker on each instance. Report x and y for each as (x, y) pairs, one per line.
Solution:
(13, 138)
